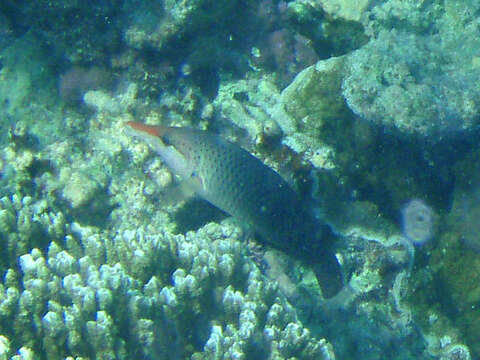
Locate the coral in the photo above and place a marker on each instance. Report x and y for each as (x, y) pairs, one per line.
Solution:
(77, 80)
(154, 25)
(26, 223)
(25, 69)
(79, 188)
(91, 265)
(280, 48)
(252, 116)
(104, 102)
(80, 33)
(345, 9)
(418, 221)
(313, 98)
(418, 16)
(405, 79)
(332, 25)
(154, 296)
(269, 116)
(286, 52)
(260, 38)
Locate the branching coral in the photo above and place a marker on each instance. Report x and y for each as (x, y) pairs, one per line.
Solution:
(155, 296)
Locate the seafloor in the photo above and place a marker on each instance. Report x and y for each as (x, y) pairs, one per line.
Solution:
(370, 109)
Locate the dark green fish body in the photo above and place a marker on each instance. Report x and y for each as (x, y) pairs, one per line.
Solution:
(241, 185)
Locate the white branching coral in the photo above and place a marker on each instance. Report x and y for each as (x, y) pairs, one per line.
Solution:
(154, 296)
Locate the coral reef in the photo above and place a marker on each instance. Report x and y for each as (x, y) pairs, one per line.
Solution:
(112, 281)
(418, 221)
(102, 255)
(389, 88)
(26, 223)
(416, 78)
(346, 10)
(171, 20)
(25, 68)
(455, 262)
(96, 30)
(129, 294)
(415, 75)
(77, 80)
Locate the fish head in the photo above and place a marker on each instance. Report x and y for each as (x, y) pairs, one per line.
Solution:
(160, 139)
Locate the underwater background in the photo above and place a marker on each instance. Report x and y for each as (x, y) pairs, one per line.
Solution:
(369, 108)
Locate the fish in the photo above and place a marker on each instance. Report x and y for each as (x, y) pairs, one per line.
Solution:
(235, 181)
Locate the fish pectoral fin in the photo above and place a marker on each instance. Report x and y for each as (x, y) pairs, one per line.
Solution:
(196, 182)
(176, 192)
(185, 189)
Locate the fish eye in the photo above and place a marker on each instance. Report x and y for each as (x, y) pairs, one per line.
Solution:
(166, 140)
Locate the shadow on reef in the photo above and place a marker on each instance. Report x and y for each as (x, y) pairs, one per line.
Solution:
(196, 213)
(390, 170)
(412, 168)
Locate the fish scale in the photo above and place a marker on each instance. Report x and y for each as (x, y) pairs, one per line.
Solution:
(238, 183)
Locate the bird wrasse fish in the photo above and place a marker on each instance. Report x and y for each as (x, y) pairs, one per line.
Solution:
(238, 183)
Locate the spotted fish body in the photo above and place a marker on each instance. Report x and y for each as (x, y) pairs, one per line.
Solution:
(241, 185)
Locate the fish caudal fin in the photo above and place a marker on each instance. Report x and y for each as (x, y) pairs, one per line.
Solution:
(325, 264)
(329, 274)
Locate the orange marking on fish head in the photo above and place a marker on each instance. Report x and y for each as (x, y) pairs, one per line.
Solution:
(149, 129)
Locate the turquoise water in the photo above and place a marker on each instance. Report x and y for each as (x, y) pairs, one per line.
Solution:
(369, 110)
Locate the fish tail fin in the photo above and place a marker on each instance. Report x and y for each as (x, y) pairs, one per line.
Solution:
(326, 267)
(329, 274)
